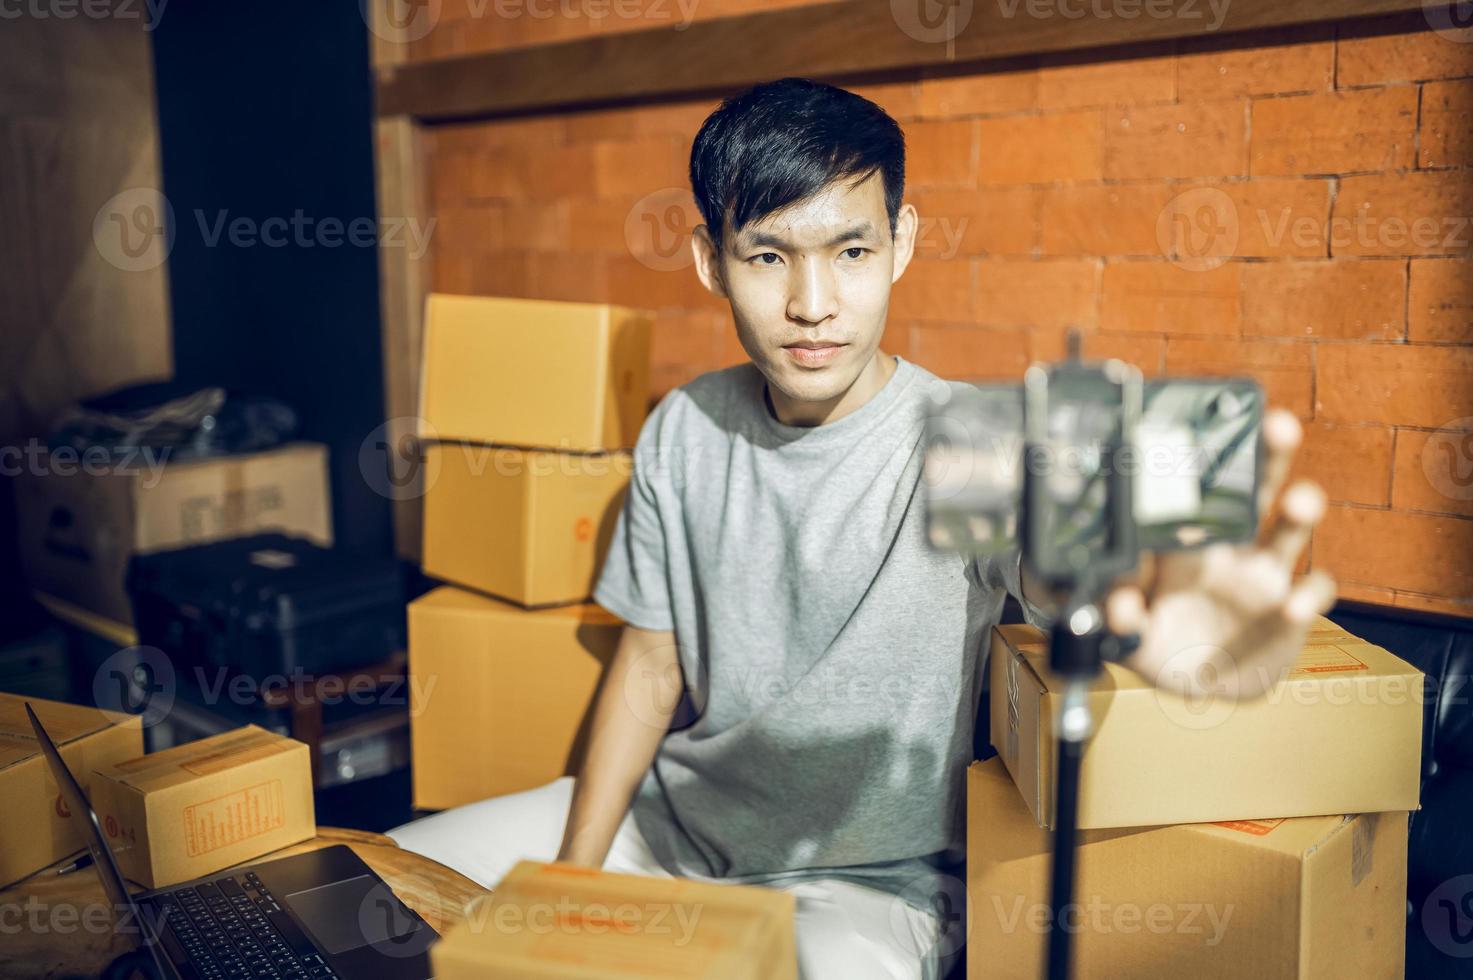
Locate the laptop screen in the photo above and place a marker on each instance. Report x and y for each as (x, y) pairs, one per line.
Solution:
(85, 820)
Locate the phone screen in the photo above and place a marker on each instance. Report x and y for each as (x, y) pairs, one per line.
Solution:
(1077, 500)
(1192, 466)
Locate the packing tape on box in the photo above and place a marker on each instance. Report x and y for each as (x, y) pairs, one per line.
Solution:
(1362, 845)
(1013, 723)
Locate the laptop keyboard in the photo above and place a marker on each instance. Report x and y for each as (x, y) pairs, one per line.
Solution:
(227, 932)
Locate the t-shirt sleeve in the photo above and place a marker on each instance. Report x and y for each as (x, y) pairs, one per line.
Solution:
(634, 583)
(1005, 571)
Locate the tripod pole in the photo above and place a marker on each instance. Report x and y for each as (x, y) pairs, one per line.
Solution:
(1075, 653)
(1066, 813)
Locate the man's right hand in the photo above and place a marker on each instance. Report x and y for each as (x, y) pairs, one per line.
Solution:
(636, 701)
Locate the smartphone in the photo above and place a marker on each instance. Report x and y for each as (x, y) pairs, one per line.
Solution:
(1085, 467)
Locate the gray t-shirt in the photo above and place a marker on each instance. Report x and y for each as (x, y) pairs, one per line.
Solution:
(832, 658)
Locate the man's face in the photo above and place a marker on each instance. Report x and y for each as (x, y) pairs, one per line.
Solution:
(809, 287)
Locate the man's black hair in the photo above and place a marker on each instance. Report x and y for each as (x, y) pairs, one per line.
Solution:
(783, 141)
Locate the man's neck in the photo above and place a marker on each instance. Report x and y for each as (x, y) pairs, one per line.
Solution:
(874, 377)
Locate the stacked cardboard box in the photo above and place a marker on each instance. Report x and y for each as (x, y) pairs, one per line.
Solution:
(206, 805)
(35, 824)
(1265, 838)
(528, 410)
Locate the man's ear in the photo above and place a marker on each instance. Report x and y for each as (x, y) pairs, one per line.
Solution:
(906, 223)
(708, 262)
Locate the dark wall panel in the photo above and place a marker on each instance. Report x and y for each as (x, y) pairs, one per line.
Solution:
(265, 120)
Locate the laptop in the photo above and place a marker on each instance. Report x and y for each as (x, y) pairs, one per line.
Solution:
(322, 914)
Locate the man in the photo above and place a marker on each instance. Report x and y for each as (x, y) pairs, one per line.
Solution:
(792, 701)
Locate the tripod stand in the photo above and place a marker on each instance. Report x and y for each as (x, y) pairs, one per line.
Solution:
(1076, 652)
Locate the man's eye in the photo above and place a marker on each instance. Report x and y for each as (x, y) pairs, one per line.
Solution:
(759, 259)
(855, 253)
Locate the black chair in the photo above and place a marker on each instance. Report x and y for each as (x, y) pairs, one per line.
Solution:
(1440, 851)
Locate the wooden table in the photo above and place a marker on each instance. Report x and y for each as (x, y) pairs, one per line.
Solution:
(61, 925)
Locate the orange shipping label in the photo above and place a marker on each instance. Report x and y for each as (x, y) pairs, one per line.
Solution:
(1255, 827)
(234, 817)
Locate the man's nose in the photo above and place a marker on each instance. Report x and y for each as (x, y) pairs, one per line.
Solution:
(813, 297)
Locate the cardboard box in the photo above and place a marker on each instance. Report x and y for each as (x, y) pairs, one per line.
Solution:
(499, 695)
(559, 920)
(532, 527)
(203, 806)
(1340, 733)
(77, 529)
(35, 825)
(1321, 897)
(537, 373)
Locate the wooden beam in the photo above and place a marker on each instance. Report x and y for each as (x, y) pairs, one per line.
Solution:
(828, 40)
(382, 48)
(403, 279)
(403, 283)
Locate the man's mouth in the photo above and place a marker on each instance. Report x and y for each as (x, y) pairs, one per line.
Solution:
(814, 353)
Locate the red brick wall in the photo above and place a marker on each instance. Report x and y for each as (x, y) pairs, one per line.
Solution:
(1293, 206)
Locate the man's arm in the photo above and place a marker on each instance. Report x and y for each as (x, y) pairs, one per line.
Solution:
(639, 695)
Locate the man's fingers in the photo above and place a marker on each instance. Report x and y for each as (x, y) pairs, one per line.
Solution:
(1312, 596)
(1125, 610)
(1282, 434)
(1143, 577)
(1300, 510)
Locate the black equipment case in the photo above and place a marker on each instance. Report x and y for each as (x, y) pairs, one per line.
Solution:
(268, 604)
